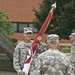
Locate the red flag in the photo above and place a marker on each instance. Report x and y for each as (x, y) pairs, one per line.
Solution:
(46, 23)
(35, 43)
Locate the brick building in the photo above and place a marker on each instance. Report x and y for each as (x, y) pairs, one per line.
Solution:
(20, 14)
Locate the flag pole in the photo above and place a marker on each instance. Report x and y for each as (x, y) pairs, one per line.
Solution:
(35, 43)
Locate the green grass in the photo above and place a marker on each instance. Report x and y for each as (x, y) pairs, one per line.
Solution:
(65, 49)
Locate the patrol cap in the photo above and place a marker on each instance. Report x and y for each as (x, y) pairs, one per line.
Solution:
(53, 38)
(72, 34)
(28, 30)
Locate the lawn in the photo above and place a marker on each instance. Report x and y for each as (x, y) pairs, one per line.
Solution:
(65, 49)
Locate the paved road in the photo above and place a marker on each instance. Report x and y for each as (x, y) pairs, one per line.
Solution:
(7, 73)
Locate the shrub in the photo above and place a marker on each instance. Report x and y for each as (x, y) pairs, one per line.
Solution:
(14, 40)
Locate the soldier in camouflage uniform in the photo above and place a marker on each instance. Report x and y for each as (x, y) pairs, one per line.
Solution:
(72, 56)
(21, 51)
(52, 61)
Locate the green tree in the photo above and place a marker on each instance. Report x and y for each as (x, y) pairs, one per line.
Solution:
(63, 20)
(4, 24)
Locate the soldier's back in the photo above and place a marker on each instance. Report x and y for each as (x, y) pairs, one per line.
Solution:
(53, 63)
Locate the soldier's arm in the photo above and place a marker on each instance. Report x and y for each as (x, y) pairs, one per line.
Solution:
(16, 60)
(42, 48)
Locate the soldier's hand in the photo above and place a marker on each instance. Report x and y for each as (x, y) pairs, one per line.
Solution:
(39, 38)
(22, 73)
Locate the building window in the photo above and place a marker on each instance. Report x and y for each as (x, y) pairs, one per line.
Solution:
(34, 29)
(14, 27)
(21, 27)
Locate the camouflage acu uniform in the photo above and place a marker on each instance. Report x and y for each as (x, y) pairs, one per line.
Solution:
(72, 57)
(20, 55)
(73, 52)
(72, 48)
(52, 62)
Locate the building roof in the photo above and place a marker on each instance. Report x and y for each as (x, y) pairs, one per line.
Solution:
(19, 10)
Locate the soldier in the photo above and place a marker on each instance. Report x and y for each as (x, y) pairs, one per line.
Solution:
(21, 51)
(72, 56)
(52, 61)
